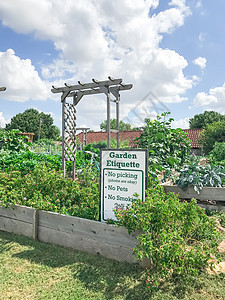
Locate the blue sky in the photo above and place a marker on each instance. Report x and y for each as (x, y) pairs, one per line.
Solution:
(173, 50)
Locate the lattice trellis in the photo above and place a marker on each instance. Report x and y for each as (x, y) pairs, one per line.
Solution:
(69, 139)
(108, 87)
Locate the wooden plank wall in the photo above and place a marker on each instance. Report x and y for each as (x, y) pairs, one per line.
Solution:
(207, 193)
(18, 219)
(73, 232)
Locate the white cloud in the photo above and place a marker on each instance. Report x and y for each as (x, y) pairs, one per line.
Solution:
(200, 61)
(182, 123)
(88, 31)
(198, 4)
(2, 120)
(203, 99)
(202, 36)
(199, 7)
(100, 38)
(20, 78)
(214, 100)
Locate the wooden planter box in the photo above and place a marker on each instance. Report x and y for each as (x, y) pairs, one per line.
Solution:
(73, 232)
(207, 194)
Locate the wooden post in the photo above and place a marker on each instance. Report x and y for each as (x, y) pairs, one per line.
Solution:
(39, 130)
(108, 120)
(63, 137)
(118, 122)
(35, 224)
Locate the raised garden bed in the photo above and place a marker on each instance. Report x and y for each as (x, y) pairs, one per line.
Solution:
(209, 197)
(73, 232)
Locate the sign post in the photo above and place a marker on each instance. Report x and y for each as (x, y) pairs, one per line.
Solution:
(124, 172)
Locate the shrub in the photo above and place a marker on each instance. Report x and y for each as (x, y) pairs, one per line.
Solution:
(219, 214)
(177, 238)
(25, 161)
(213, 133)
(218, 151)
(12, 141)
(168, 147)
(47, 190)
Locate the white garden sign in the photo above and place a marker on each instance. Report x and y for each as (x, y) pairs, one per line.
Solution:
(123, 174)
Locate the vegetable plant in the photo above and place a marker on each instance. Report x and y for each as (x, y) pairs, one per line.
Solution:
(12, 141)
(177, 238)
(46, 189)
(168, 148)
(198, 176)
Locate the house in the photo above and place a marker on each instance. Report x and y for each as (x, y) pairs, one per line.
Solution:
(194, 135)
(97, 136)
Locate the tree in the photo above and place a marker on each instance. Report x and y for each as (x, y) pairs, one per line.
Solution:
(201, 120)
(31, 121)
(168, 147)
(213, 133)
(123, 126)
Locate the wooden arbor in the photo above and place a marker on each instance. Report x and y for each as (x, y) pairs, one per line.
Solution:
(107, 87)
(84, 132)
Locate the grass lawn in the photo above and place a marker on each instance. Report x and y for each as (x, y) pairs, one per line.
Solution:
(34, 270)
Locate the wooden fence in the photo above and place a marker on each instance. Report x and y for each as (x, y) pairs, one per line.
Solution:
(73, 232)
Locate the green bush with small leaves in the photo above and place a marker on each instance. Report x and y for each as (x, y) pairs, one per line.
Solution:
(177, 238)
(218, 151)
(46, 189)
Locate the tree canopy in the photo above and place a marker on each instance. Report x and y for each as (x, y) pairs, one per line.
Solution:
(123, 126)
(201, 120)
(213, 133)
(30, 120)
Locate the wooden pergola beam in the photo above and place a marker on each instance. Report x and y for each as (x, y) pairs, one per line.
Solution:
(107, 87)
(91, 85)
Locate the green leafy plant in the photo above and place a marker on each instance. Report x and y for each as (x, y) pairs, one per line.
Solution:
(199, 176)
(168, 148)
(46, 189)
(177, 238)
(25, 161)
(211, 134)
(12, 141)
(219, 214)
(218, 151)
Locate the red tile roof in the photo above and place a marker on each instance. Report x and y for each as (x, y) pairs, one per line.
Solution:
(194, 135)
(97, 136)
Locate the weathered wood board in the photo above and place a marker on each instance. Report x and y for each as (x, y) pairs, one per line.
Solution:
(207, 193)
(77, 233)
(15, 226)
(88, 228)
(18, 212)
(86, 244)
(17, 219)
